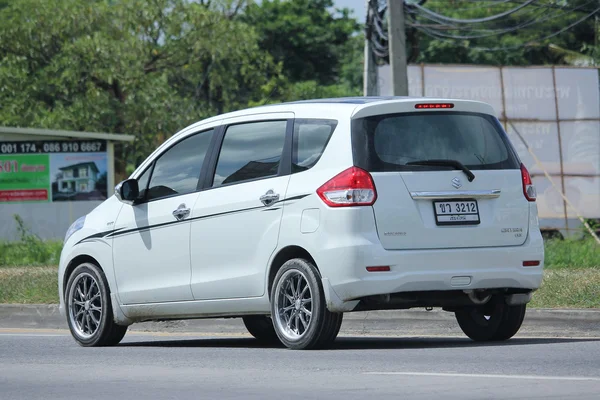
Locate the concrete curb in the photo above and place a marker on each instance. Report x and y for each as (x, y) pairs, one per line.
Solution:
(538, 322)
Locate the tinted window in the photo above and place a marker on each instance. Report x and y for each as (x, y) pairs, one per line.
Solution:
(177, 171)
(143, 182)
(389, 142)
(250, 151)
(310, 140)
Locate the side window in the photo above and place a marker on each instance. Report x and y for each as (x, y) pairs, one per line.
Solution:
(310, 139)
(177, 171)
(143, 182)
(250, 151)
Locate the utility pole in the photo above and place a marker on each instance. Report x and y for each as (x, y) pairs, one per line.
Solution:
(370, 70)
(397, 47)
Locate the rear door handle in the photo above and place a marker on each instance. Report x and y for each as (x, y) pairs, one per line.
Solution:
(182, 212)
(269, 198)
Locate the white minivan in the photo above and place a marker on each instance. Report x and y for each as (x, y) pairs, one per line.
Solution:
(290, 215)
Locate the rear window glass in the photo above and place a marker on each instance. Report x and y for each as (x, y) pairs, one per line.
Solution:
(390, 142)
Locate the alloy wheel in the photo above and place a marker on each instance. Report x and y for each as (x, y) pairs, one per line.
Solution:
(85, 305)
(293, 305)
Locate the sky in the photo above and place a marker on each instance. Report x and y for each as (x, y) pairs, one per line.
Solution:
(357, 5)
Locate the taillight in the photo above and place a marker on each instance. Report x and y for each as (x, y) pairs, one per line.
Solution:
(352, 187)
(528, 188)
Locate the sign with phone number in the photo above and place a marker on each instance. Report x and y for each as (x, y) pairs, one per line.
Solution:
(52, 147)
(50, 171)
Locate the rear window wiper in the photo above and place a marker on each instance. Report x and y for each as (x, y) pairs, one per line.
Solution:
(446, 163)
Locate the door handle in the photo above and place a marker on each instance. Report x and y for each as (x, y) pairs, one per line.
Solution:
(269, 198)
(181, 212)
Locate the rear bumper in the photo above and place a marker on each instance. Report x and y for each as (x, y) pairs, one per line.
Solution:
(346, 278)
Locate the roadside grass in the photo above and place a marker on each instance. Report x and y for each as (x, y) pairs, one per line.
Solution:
(29, 285)
(29, 252)
(568, 288)
(28, 273)
(570, 254)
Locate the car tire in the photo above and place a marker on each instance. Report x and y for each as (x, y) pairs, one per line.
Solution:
(511, 322)
(261, 327)
(89, 309)
(300, 316)
(332, 331)
(494, 321)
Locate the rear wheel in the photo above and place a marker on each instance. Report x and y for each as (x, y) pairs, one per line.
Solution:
(298, 309)
(261, 327)
(89, 309)
(494, 321)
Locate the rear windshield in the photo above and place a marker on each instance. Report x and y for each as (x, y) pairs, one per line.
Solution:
(388, 142)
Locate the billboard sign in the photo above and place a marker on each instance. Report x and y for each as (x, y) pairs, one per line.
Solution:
(51, 171)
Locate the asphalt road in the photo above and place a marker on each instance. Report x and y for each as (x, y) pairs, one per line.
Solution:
(40, 364)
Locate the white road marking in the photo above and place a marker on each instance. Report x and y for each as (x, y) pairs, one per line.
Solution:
(490, 376)
(31, 335)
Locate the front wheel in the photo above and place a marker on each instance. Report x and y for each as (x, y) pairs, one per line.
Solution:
(300, 316)
(89, 310)
(494, 321)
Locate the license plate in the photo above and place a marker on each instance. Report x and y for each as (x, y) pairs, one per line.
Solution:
(456, 212)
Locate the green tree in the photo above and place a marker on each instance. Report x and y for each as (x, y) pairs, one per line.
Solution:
(126, 66)
(304, 35)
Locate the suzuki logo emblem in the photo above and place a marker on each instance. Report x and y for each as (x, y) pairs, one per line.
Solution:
(456, 183)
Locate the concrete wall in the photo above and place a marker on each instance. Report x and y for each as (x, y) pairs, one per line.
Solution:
(47, 220)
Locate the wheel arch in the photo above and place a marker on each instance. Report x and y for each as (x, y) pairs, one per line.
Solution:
(285, 254)
(74, 263)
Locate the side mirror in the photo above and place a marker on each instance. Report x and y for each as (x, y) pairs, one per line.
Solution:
(127, 191)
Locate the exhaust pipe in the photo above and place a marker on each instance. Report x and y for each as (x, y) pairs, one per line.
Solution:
(472, 294)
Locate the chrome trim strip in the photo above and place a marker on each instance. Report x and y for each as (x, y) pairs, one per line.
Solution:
(459, 194)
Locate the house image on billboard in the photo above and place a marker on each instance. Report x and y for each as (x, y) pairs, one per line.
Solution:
(77, 178)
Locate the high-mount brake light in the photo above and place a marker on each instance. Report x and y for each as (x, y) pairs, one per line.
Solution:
(349, 188)
(528, 188)
(434, 105)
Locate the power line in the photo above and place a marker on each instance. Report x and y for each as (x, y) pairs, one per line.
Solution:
(475, 20)
(480, 6)
(547, 5)
(436, 36)
(499, 32)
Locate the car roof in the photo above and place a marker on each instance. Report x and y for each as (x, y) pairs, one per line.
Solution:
(336, 107)
(348, 103)
(353, 100)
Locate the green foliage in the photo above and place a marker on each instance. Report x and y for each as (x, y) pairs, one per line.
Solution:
(30, 249)
(137, 67)
(151, 68)
(570, 253)
(304, 36)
